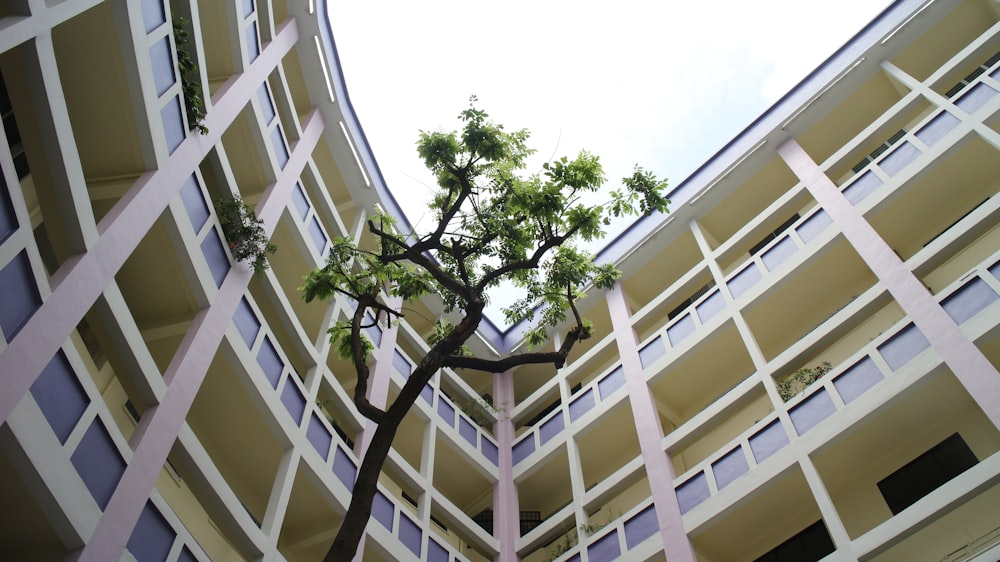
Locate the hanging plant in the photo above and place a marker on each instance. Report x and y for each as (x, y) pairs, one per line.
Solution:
(244, 232)
(187, 67)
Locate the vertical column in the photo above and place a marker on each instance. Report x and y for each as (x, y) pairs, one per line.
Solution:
(965, 360)
(378, 392)
(659, 469)
(506, 509)
(378, 378)
(80, 281)
(158, 429)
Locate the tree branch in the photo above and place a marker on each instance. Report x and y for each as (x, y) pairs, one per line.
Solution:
(359, 355)
(557, 358)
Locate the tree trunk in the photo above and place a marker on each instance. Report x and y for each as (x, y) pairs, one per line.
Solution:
(352, 529)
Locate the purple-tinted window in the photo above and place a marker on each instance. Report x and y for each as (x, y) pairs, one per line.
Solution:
(856, 380)
(382, 510)
(300, 201)
(247, 8)
(653, 351)
(605, 549)
(293, 400)
(995, 270)
(436, 552)
(319, 436)
(60, 396)
(899, 158)
(743, 280)
(19, 298)
(215, 256)
(266, 105)
(903, 346)
(937, 128)
(99, 463)
(813, 226)
(610, 383)
(173, 123)
(551, 427)
(489, 450)
(253, 48)
(8, 220)
(246, 322)
(680, 330)
(270, 362)
(446, 410)
(768, 441)
(710, 306)
(186, 556)
(730, 467)
(862, 186)
(523, 448)
(410, 534)
(971, 298)
(467, 430)
(163, 65)
(401, 364)
(427, 393)
(344, 469)
(317, 235)
(976, 98)
(280, 150)
(194, 203)
(640, 527)
(152, 14)
(152, 536)
(778, 253)
(692, 492)
(581, 405)
(811, 411)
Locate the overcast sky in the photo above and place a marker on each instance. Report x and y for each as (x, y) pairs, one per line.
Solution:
(660, 83)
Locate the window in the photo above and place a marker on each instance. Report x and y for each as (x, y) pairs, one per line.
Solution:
(926, 473)
(972, 76)
(878, 151)
(690, 300)
(809, 545)
(774, 234)
(13, 134)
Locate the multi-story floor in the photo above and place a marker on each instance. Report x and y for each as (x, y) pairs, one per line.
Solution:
(161, 402)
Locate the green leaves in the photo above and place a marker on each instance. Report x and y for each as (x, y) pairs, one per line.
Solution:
(244, 232)
(495, 224)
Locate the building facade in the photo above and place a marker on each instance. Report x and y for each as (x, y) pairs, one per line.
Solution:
(799, 362)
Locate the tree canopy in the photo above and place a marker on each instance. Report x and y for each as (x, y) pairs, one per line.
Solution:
(495, 224)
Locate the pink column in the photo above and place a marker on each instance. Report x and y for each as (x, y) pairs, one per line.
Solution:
(965, 360)
(378, 381)
(157, 430)
(81, 279)
(378, 392)
(506, 508)
(659, 469)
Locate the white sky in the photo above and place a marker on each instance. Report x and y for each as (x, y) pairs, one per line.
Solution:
(660, 83)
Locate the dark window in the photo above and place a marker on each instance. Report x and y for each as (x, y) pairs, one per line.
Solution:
(972, 76)
(777, 232)
(879, 150)
(926, 473)
(13, 134)
(809, 545)
(690, 300)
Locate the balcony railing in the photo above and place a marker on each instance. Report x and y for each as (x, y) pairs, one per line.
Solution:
(880, 359)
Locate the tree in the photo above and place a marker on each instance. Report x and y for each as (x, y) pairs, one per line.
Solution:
(494, 224)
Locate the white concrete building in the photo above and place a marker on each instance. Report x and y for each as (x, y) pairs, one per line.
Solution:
(161, 402)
